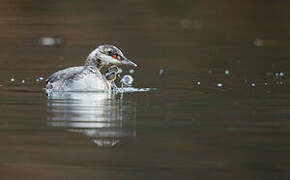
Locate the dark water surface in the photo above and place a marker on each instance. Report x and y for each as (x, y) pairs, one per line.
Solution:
(220, 111)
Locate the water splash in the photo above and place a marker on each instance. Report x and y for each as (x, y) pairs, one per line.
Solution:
(126, 86)
(131, 71)
(281, 74)
(127, 81)
(227, 72)
(130, 90)
(39, 79)
(220, 85)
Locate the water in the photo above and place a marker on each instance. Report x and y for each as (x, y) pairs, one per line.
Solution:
(187, 127)
(127, 80)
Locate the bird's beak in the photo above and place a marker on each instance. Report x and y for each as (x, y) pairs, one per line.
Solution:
(128, 62)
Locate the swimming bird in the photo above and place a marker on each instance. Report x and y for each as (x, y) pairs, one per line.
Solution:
(89, 76)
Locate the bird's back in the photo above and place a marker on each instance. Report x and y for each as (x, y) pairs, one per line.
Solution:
(79, 78)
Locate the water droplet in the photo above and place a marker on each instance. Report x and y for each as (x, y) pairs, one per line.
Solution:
(259, 42)
(266, 84)
(127, 80)
(219, 84)
(12, 79)
(198, 83)
(161, 71)
(120, 70)
(23, 81)
(37, 80)
(227, 71)
(276, 74)
(253, 84)
(281, 74)
(131, 71)
(40, 78)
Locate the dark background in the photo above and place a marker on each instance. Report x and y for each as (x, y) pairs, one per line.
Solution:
(189, 128)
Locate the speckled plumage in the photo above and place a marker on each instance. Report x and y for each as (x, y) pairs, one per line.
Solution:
(88, 77)
(82, 78)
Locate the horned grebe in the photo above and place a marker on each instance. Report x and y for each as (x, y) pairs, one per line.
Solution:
(88, 77)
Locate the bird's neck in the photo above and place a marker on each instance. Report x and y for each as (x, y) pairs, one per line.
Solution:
(92, 60)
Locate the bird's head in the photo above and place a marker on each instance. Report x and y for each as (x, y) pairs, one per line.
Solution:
(107, 55)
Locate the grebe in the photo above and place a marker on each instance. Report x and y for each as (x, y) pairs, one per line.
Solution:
(88, 77)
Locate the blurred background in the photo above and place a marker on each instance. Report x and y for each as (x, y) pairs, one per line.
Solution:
(220, 108)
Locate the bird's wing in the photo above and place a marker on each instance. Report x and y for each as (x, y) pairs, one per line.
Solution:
(67, 74)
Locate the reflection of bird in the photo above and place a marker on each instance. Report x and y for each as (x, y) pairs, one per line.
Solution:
(88, 77)
(99, 116)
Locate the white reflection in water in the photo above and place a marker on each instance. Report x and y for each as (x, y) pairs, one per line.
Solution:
(101, 116)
